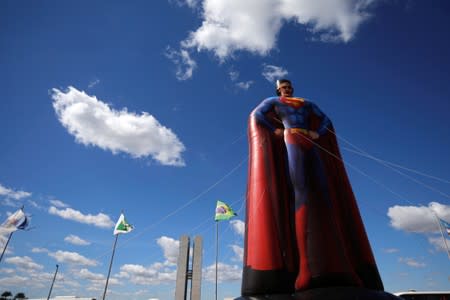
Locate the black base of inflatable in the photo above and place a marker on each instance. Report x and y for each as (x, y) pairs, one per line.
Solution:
(331, 293)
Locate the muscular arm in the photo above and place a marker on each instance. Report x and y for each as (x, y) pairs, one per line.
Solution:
(324, 120)
(262, 109)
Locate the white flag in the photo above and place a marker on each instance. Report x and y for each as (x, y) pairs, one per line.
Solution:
(16, 221)
(122, 226)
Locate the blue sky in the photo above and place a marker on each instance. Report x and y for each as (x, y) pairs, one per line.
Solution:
(143, 107)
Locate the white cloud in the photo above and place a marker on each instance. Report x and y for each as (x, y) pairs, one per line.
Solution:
(72, 258)
(412, 262)
(244, 85)
(230, 25)
(170, 248)
(224, 272)
(185, 65)
(253, 25)
(86, 274)
(97, 281)
(76, 240)
(14, 281)
(93, 122)
(238, 252)
(441, 210)
(99, 220)
(272, 73)
(34, 204)
(93, 83)
(438, 243)
(24, 262)
(16, 195)
(154, 274)
(138, 270)
(234, 75)
(8, 271)
(332, 20)
(189, 3)
(419, 219)
(41, 279)
(391, 250)
(58, 203)
(39, 250)
(422, 220)
(238, 227)
(158, 272)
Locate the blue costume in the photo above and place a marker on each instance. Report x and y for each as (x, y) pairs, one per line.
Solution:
(295, 114)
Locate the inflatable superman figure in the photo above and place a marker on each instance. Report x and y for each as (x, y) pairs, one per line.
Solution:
(303, 227)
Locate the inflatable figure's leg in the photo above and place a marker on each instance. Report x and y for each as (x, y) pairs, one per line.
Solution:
(296, 161)
(322, 256)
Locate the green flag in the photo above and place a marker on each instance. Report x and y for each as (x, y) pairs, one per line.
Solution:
(122, 226)
(223, 211)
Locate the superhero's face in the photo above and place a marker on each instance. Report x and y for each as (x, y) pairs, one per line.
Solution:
(285, 89)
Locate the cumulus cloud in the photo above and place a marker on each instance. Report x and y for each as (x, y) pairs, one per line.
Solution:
(76, 240)
(58, 203)
(97, 281)
(238, 252)
(238, 227)
(419, 219)
(224, 273)
(412, 262)
(39, 250)
(441, 210)
(93, 83)
(158, 272)
(234, 75)
(154, 274)
(94, 122)
(244, 85)
(391, 250)
(253, 25)
(438, 243)
(189, 3)
(86, 274)
(185, 65)
(72, 258)
(13, 194)
(34, 204)
(170, 248)
(272, 73)
(231, 25)
(14, 281)
(99, 220)
(24, 262)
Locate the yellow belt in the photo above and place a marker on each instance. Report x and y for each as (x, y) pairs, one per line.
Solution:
(298, 130)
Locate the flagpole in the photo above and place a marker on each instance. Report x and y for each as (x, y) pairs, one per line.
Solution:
(217, 250)
(110, 265)
(51, 287)
(442, 233)
(6, 245)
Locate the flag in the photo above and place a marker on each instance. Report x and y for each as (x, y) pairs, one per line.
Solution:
(224, 212)
(16, 221)
(122, 226)
(445, 225)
